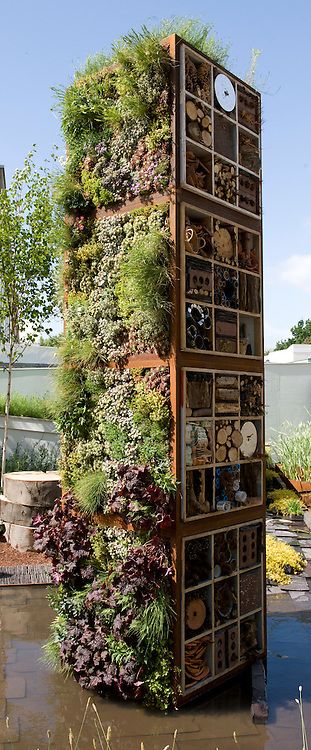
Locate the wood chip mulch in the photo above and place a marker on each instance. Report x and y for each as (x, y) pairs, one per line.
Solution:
(10, 557)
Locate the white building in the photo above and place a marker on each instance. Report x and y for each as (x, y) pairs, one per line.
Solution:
(287, 387)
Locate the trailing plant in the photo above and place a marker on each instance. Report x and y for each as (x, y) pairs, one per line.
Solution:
(91, 492)
(282, 561)
(293, 448)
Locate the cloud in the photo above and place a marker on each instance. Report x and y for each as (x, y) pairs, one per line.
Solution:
(296, 270)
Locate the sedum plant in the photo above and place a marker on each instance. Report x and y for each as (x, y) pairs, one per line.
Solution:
(285, 502)
(281, 560)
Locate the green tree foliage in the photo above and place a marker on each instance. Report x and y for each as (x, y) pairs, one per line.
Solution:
(28, 242)
(301, 334)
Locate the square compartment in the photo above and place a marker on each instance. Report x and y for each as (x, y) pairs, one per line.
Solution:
(198, 79)
(199, 492)
(225, 332)
(249, 151)
(198, 123)
(198, 237)
(225, 287)
(199, 327)
(199, 443)
(198, 661)
(198, 560)
(227, 481)
(225, 137)
(250, 591)
(199, 168)
(251, 394)
(224, 242)
(198, 280)
(248, 192)
(227, 394)
(250, 636)
(250, 541)
(248, 109)
(226, 648)
(228, 439)
(251, 483)
(248, 250)
(225, 553)
(198, 612)
(225, 181)
(199, 394)
(225, 601)
(251, 445)
(249, 293)
(249, 337)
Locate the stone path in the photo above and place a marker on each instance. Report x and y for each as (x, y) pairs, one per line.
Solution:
(298, 536)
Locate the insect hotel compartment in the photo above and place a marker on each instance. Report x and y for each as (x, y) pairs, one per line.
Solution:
(198, 612)
(249, 293)
(250, 591)
(250, 636)
(225, 287)
(237, 486)
(198, 661)
(249, 545)
(226, 647)
(199, 330)
(251, 395)
(199, 394)
(225, 181)
(228, 439)
(249, 151)
(225, 137)
(198, 78)
(248, 109)
(199, 169)
(198, 237)
(248, 251)
(225, 332)
(227, 394)
(225, 601)
(249, 336)
(251, 482)
(248, 190)
(225, 553)
(198, 561)
(198, 123)
(199, 492)
(199, 443)
(198, 280)
(224, 242)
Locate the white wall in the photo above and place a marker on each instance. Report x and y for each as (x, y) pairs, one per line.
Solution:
(33, 381)
(29, 432)
(288, 395)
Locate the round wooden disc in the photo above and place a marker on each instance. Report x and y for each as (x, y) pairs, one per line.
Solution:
(221, 436)
(206, 121)
(191, 110)
(233, 454)
(206, 138)
(237, 438)
(195, 614)
(221, 454)
(223, 243)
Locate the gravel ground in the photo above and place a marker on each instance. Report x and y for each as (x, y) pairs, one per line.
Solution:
(10, 556)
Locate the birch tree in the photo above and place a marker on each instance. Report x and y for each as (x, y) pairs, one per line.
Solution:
(27, 259)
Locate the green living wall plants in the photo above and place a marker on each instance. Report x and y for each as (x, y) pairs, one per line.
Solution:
(111, 561)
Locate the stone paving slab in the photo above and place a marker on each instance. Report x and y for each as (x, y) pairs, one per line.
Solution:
(23, 575)
(296, 584)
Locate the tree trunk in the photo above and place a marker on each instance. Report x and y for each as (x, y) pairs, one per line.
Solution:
(6, 414)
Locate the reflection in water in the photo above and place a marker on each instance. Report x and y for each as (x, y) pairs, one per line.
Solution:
(35, 699)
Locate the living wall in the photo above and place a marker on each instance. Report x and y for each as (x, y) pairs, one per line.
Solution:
(112, 567)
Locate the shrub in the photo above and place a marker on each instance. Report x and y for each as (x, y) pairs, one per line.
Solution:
(293, 448)
(40, 457)
(285, 502)
(281, 561)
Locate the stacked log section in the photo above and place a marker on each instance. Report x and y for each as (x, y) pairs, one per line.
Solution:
(26, 493)
(198, 123)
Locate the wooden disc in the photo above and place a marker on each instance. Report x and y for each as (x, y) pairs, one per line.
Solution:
(195, 614)
(233, 454)
(206, 121)
(237, 438)
(194, 131)
(191, 110)
(223, 243)
(206, 138)
(221, 454)
(221, 436)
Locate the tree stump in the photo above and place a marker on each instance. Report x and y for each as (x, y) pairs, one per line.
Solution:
(26, 493)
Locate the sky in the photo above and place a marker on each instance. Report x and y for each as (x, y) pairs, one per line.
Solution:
(43, 42)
